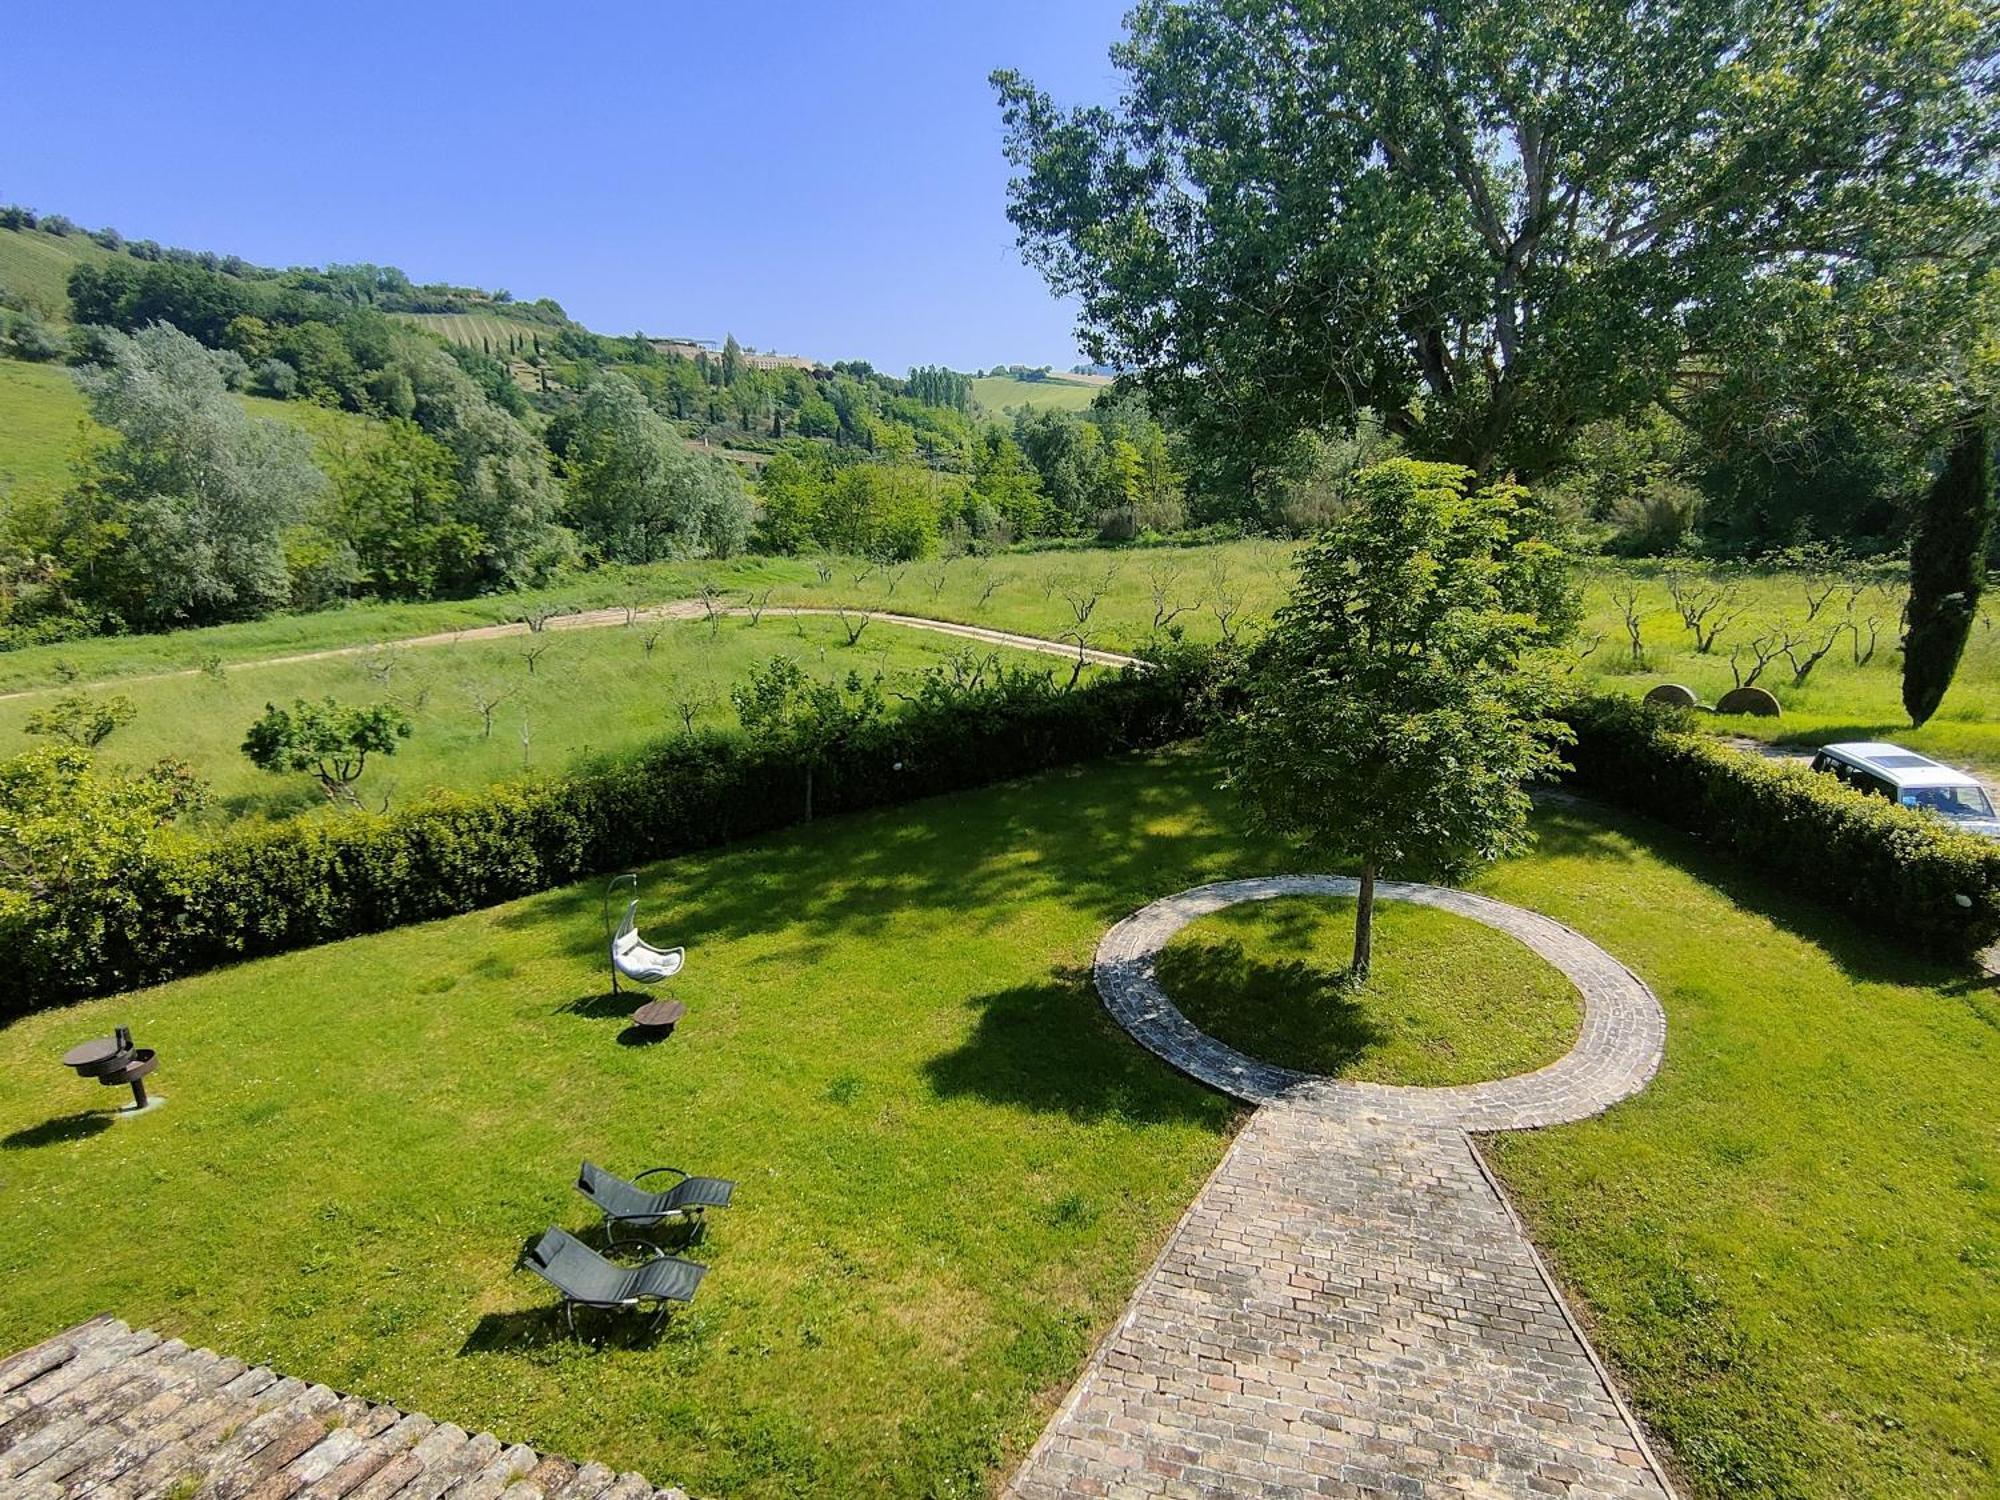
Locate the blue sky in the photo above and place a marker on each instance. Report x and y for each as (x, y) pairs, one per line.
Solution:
(821, 178)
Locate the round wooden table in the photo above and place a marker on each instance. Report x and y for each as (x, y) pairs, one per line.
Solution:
(658, 1015)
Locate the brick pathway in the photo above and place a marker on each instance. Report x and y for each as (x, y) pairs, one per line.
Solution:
(1350, 1307)
(107, 1411)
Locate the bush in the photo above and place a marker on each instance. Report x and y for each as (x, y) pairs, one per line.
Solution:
(187, 903)
(1904, 873)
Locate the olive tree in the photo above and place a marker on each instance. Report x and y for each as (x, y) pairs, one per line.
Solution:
(1389, 719)
(330, 740)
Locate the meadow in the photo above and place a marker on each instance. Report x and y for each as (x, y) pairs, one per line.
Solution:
(481, 712)
(43, 417)
(37, 264)
(952, 1169)
(1003, 393)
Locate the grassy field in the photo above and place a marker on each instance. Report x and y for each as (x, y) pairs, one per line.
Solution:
(1030, 592)
(38, 265)
(952, 1171)
(1449, 1000)
(1000, 393)
(490, 331)
(591, 693)
(42, 412)
(1840, 699)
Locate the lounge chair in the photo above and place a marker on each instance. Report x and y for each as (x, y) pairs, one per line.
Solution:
(587, 1279)
(627, 1204)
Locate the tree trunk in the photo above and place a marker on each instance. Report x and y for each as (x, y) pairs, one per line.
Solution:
(809, 791)
(1364, 921)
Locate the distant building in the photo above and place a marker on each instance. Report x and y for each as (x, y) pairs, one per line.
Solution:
(694, 348)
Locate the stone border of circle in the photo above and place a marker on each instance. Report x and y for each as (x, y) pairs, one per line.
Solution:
(1616, 1053)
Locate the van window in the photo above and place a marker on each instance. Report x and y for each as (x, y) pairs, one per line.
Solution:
(1875, 786)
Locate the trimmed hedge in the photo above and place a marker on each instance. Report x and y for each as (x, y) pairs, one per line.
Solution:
(196, 903)
(1903, 873)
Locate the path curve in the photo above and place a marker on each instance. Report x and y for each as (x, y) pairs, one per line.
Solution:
(597, 619)
(1616, 1053)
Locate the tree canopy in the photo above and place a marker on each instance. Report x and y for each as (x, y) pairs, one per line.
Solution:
(1389, 723)
(1494, 223)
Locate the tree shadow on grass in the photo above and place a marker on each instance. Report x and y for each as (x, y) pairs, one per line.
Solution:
(76, 1127)
(1286, 1011)
(1049, 1046)
(1586, 827)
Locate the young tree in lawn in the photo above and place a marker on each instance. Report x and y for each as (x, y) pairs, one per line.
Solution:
(1390, 721)
(1947, 569)
(330, 740)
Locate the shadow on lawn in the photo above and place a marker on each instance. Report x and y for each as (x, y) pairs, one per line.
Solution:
(1086, 837)
(1288, 1011)
(1050, 1047)
(77, 1127)
(1585, 827)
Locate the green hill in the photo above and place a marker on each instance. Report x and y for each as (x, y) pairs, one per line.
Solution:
(40, 409)
(487, 331)
(998, 393)
(37, 265)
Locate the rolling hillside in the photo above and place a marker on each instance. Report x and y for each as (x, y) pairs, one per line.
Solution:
(487, 331)
(40, 409)
(38, 264)
(998, 393)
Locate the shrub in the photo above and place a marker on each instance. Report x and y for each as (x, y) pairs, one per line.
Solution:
(186, 903)
(1904, 873)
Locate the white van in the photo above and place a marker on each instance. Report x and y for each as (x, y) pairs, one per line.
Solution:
(1913, 780)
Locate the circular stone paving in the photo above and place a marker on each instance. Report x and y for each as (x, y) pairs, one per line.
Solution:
(1616, 1054)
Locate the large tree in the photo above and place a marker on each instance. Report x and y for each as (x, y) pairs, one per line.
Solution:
(1493, 222)
(636, 493)
(1389, 722)
(185, 522)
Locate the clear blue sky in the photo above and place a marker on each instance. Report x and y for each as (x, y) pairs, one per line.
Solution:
(821, 178)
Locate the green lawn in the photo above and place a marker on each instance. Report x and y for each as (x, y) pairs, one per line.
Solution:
(953, 1171)
(1789, 1245)
(1447, 1001)
(592, 693)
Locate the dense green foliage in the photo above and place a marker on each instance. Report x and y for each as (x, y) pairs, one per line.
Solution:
(166, 907)
(1905, 873)
(329, 740)
(1497, 225)
(1388, 724)
(1947, 570)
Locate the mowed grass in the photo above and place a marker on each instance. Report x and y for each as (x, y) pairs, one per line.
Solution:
(1002, 393)
(1789, 1244)
(951, 1168)
(1447, 1001)
(592, 693)
(952, 1171)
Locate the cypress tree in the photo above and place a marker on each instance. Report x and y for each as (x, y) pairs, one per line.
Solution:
(1947, 569)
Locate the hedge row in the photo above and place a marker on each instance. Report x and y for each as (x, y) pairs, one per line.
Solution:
(197, 903)
(1903, 873)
